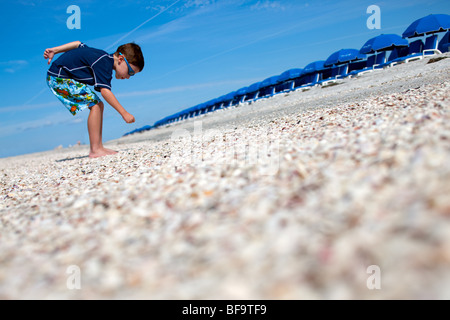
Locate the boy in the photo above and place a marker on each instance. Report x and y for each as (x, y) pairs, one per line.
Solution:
(69, 76)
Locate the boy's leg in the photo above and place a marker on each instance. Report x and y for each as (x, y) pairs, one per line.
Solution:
(95, 125)
(75, 97)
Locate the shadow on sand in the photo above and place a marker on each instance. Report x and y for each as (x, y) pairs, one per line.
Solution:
(73, 158)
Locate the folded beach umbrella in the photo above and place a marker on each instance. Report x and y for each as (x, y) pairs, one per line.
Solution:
(314, 67)
(432, 23)
(383, 42)
(343, 56)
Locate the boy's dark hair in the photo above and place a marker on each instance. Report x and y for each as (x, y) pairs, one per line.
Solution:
(133, 53)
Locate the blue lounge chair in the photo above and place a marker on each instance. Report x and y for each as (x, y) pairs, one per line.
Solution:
(305, 81)
(228, 100)
(252, 92)
(372, 63)
(362, 67)
(415, 52)
(209, 105)
(267, 87)
(224, 101)
(200, 109)
(218, 103)
(311, 75)
(396, 54)
(431, 46)
(239, 96)
(381, 58)
(190, 113)
(334, 74)
(444, 44)
(287, 79)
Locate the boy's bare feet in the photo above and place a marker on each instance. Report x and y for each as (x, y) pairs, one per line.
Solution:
(101, 153)
(109, 151)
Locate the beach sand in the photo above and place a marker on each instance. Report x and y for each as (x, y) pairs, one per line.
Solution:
(333, 193)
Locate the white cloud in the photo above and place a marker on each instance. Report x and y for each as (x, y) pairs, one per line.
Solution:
(58, 118)
(13, 65)
(186, 5)
(142, 24)
(181, 23)
(27, 107)
(267, 5)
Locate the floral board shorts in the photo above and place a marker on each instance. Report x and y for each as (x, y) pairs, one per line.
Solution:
(74, 95)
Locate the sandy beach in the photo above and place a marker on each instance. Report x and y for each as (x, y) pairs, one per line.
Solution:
(340, 192)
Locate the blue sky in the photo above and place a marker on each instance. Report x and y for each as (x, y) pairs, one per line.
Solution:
(195, 50)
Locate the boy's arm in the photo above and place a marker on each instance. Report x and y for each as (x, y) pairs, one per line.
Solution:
(112, 100)
(50, 52)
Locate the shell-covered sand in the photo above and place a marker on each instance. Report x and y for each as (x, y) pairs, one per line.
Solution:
(333, 193)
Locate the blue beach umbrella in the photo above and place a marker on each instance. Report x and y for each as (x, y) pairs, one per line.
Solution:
(210, 104)
(252, 91)
(239, 95)
(254, 87)
(427, 25)
(383, 42)
(269, 81)
(290, 74)
(311, 73)
(227, 99)
(286, 80)
(201, 107)
(314, 67)
(241, 91)
(343, 56)
(267, 86)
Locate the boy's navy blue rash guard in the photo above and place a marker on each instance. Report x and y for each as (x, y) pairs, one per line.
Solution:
(86, 65)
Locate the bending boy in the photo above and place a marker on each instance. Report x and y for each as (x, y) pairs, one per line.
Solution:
(69, 76)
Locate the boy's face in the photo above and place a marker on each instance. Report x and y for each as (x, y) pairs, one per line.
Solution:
(122, 68)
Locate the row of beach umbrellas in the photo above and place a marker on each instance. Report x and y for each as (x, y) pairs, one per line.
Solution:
(431, 24)
(427, 25)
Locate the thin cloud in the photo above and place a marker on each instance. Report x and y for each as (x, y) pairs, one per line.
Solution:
(179, 24)
(170, 27)
(186, 5)
(13, 66)
(141, 25)
(27, 107)
(268, 5)
(307, 23)
(60, 118)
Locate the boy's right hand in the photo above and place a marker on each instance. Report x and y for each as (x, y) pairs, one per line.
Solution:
(128, 117)
(49, 54)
